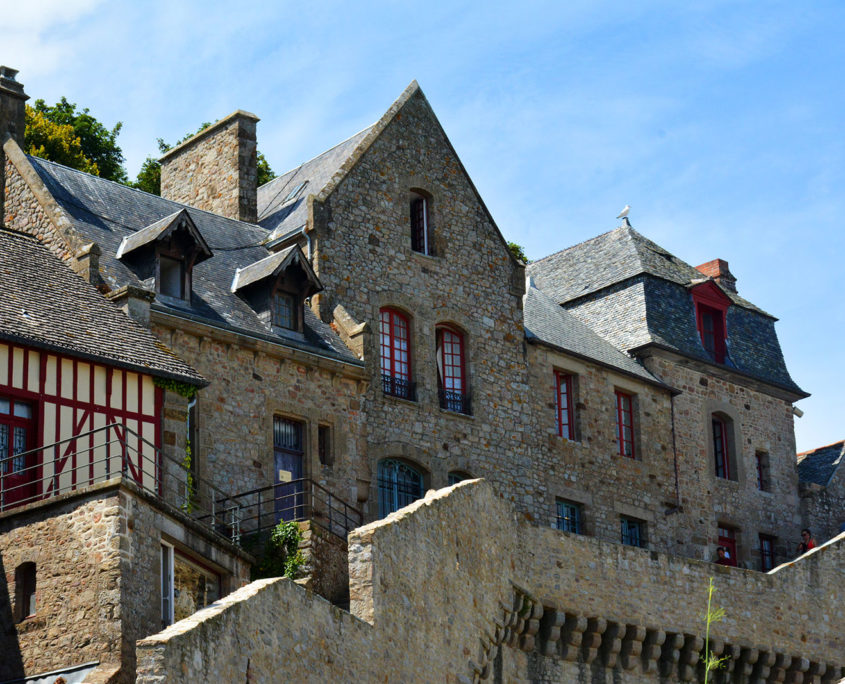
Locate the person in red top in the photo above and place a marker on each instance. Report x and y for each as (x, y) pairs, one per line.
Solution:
(722, 557)
(807, 541)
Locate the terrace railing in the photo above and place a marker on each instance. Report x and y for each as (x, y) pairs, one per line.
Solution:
(108, 452)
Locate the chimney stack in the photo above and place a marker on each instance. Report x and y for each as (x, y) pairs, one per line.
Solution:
(719, 271)
(216, 169)
(12, 121)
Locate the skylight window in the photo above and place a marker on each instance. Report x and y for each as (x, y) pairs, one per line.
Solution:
(295, 192)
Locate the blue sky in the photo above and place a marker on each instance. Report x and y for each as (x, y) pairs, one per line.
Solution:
(720, 123)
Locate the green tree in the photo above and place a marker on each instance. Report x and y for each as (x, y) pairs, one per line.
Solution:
(149, 177)
(57, 142)
(97, 143)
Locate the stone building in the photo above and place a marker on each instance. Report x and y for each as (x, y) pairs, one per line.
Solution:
(368, 336)
(822, 490)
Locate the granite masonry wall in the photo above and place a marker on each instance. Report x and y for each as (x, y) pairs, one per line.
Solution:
(760, 423)
(823, 508)
(361, 238)
(589, 470)
(97, 554)
(215, 170)
(436, 600)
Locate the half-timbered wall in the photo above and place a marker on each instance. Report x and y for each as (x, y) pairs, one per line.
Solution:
(73, 404)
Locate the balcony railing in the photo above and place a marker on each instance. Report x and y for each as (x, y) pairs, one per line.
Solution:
(103, 454)
(455, 401)
(399, 387)
(261, 509)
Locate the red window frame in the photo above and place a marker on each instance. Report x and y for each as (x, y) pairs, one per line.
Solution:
(451, 362)
(564, 410)
(395, 344)
(767, 552)
(721, 449)
(625, 424)
(727, 538)
(711, 306)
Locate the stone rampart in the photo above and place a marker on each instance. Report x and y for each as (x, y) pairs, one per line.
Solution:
(439, 588)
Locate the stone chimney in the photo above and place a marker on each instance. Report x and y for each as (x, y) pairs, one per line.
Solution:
(12, 120)
(719, 271)
(216, 169)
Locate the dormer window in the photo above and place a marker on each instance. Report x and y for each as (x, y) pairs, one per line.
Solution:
(276, 288)
(421, 233)
(711, 306)
(166, 252)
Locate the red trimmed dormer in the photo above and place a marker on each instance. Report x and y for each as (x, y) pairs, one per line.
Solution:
(711, 307)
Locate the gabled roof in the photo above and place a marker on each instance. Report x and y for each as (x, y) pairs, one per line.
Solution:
(819, 465)
(548, 323)
(281, 217)
(105, 212)
(161, 229)
(273, 265)
(612, 258)
(45, 304)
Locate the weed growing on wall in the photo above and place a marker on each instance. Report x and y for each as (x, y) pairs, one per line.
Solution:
(713, 615)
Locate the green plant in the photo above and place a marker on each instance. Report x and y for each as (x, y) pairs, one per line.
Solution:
(191, 490)
(281, 556)
(711, 661)
(183, 389)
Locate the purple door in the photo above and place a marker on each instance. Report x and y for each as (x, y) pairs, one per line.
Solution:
(288, 451)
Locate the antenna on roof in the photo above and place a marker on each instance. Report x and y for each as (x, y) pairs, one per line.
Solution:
(624, 216)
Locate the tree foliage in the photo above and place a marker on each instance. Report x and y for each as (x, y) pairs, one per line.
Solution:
(75, 139)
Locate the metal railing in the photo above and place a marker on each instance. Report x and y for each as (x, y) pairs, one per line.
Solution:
(455, 401)
(261, 509)
(108, 452)
(399, 387)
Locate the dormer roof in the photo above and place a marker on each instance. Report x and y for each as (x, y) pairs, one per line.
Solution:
(161, 230)
(273, 266)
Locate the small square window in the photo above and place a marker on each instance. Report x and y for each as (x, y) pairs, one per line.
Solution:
(570, 517)
(633, 532)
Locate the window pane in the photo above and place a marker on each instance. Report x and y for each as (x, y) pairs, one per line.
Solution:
(284, 311)
(170, 276)
(399, 485)
(287, 434)
(5, 406)
(22, 410)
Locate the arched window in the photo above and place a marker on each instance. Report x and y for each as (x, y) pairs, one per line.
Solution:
(24, 591)
(396, 354)
(398, 485)
(452, 384)
(724, 446)
(456, 476)
(421, 234)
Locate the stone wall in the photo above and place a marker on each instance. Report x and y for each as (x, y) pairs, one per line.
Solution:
(97, 553)
(215, 170)
(457, 587)
(76, 551)
(823, 508)
(761, 423)
(326, 570)
(251, 382)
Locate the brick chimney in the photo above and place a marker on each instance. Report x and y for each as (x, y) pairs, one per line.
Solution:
(12, 120)
(216, 169)
(719, 271)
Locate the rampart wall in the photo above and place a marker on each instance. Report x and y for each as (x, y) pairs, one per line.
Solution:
(439, 589)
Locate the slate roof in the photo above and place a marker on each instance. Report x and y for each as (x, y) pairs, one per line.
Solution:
(634, 293)
(106, 212)
(548, 323)
(45, 304)
(280, 218)
(819, 465)
(611, 258)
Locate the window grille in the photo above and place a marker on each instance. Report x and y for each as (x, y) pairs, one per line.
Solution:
(569, 517)
(633, 532)
(399, 485)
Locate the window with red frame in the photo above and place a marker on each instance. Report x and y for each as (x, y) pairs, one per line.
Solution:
(565, 414)
(625, 424)
(711, 306)
(721, 452)
(727, 538)
(451, 370)
(395, 354)
(767, 552)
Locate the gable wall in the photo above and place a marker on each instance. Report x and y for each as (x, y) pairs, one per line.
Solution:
(362, 254)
